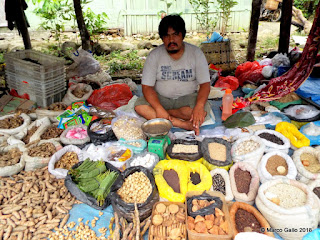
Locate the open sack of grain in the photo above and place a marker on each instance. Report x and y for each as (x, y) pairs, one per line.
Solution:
(221, 183)
(52, 112)
(35, 129)
(274, 141)
(63, 160)
(11, 161)
(14, 125)
(275, 164)
(288, 206)
(307, 161)
(77, 93)
(244, 181)
(248, 149)
(38, 154)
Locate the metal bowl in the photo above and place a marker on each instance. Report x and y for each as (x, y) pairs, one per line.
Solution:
(156, 127)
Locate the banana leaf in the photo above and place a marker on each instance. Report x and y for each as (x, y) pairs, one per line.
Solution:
(243, 119)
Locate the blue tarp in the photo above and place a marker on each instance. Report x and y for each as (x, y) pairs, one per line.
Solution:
(310, 89)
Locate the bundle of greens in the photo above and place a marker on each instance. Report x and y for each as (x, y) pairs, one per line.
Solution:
(94, 178)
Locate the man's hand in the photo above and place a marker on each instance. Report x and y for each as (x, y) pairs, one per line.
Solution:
(197, 117)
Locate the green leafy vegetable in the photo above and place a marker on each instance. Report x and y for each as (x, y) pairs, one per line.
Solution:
(243, 119)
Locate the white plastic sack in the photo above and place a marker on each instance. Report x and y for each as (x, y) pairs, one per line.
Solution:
(252, 236)
(303, 217)
(280, 59)
(127, 127)
(254, 185)
(16, 168)
(70, 98)
(271, 146)
(52, 115)
(225, 175)
(60, 172)
(267, 71)
(84, 64)
(70, 141)
(253, 157)
(302, 111)
(113, 147)
(265, 175)
(42, 124)
(237, 133)
(304, 175)
(95, 153)
(33, 163)
(17, 132)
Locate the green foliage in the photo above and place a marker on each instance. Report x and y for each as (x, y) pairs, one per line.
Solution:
(201, 9)
(307, 7)
(95, 23)
(1, 57)
(168, 5)
(118, 61)
(225, 7)
(56, 14)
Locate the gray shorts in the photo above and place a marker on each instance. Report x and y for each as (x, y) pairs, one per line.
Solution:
(184, 101)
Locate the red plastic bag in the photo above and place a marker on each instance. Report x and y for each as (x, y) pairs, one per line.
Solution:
(249, 71)
(227, 82)
(111, 97)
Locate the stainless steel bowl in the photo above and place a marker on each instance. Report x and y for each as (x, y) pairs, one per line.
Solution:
(156, 127)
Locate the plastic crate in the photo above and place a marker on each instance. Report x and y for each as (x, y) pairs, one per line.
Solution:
(48, 67)
(47, 100)
(31, 86)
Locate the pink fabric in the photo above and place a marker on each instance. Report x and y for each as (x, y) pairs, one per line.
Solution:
(77, 133)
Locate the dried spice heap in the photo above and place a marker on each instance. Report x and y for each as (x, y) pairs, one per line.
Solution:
(52, 132)
(10, 158)
(42, 150)
(11, 122)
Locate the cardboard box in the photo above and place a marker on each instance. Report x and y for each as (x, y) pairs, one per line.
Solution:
(9, 104)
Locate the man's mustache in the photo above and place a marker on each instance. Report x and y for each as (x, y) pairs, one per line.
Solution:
(172, 44)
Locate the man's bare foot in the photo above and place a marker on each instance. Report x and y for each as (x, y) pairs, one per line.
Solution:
(176, 122)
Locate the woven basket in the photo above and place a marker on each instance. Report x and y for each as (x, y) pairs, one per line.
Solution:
(220, 54)
(271, 5)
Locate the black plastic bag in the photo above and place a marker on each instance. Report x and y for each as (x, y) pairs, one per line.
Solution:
(206, 210)
(98, 139)
(126, 210)
(85, 197)
(185, 156)
(206, 153)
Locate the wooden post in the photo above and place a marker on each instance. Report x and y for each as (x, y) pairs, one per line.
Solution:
(285, 26)
(22, 26)
(253, 32)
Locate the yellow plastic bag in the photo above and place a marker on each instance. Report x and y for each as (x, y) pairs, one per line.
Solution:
(165, 191)
(205, 176)
(291, 132)
(210, 166)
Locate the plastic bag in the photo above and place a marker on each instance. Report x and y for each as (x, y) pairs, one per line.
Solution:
(302, 113)
(146, 159)
(266, 176)
(204, 174)
(117, 155)
(182, 155)
(267, 71)
(206, 151)
(126, 210)
(254, 184)
(87, 198)
(111, 97)
(127, 127)
(33, 163)
(206, 210)
(266, 62)
(84, 64)
(227, 82)
(18, 131)
(133, 86)
(16, 168)
(312, 132)
(95, 153)
(274, 146)
(225, 175)
(280, 59)
(42, 124)
(60, 172)
(70, 97)
(249, 71)
(97, 138)
(165, 191)
(74, 141)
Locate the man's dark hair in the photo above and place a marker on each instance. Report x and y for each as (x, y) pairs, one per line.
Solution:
(174, 21)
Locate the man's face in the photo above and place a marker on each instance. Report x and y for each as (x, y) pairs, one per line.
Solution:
(173, 41)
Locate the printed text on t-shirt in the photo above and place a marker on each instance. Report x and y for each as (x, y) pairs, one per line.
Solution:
(179, 74)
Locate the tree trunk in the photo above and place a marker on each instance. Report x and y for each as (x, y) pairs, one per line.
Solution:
(285, 26)
(299, 16)
(85, 37)
(22, 25)
(253, 32)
